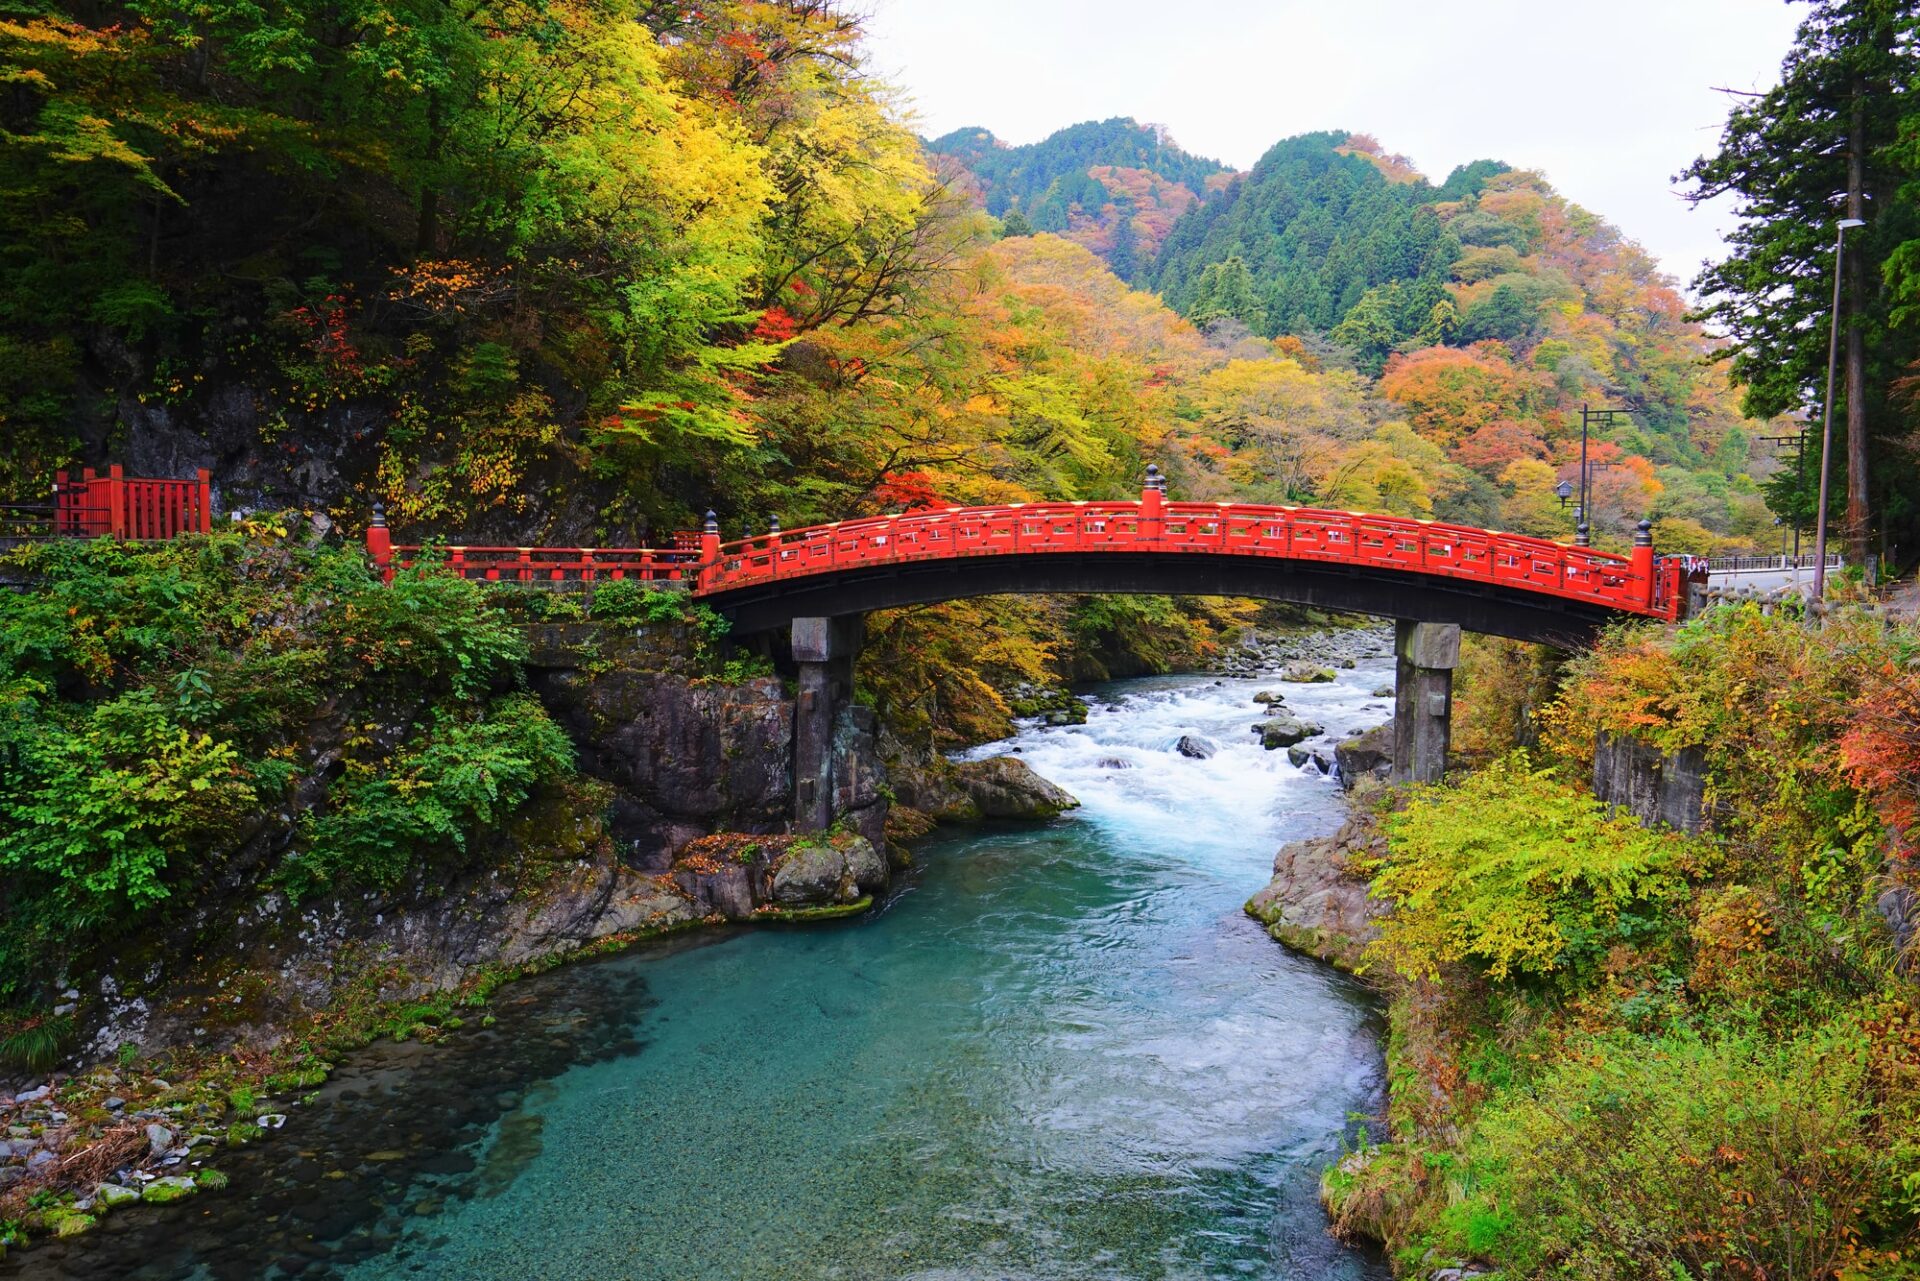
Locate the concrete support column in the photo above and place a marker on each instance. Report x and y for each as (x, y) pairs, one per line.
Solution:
(1425, 655)
(823, 650)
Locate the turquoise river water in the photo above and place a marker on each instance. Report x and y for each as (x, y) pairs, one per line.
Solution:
(1055, 1052)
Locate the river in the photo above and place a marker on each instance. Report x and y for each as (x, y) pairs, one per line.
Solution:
(1054, 1052)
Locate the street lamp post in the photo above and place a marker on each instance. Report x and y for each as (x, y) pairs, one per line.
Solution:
(1826, 424)
(1593, 418)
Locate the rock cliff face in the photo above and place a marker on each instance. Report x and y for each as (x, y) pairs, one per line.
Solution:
(669, 757)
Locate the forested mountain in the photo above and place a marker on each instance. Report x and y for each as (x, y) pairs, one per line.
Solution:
(1115, 186)
(1293, 246)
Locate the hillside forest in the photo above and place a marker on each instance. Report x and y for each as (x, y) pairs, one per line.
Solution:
(548, 273)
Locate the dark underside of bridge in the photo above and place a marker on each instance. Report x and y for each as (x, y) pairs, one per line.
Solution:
(1475, 606)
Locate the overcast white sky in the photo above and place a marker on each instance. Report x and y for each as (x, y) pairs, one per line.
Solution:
(1609, 100)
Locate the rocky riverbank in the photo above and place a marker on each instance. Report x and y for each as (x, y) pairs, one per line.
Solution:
(209, 1035)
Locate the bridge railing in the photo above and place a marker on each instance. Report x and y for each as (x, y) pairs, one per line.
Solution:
(1290, 533)
(1640, 583)
(548, 564)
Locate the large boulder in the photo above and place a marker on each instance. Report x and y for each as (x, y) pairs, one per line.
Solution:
(1284, 731)
(739, 876)
(1317, 902)
(1368, 753)
(1196, 746)
(1003, 787)
(827, 873)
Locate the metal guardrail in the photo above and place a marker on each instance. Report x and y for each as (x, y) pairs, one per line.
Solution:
(1762, 564)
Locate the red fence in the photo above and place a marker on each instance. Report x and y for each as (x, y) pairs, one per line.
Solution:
(115, 505)
(1638, 584)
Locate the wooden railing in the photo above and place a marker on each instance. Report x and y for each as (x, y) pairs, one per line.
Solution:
(119, 506)
(1640, 583)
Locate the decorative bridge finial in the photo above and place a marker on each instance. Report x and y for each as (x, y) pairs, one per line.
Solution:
(712, 525)
(773, 524)
(1154, 479)
(1643, 534)
(1582, 535)
(379, 514)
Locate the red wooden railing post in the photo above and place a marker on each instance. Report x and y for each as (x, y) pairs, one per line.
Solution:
(380, 544)
(204, 498)
(1153, 501)
(1642, 560)
(117, 501)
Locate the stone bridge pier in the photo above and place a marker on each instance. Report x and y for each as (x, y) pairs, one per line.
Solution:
(823, 653)
(1425, 655)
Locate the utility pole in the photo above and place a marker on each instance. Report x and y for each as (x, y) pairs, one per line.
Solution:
(1826, 422)
(1856, 340)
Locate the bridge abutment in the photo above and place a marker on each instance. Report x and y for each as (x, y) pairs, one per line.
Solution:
(1425, 655)
(823, 651)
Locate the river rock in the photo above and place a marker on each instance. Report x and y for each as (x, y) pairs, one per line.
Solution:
(1285, 731)
(1114, 762)
(1385, 691)
(1316, 903)
(1197, 746)
(1368, 753)
(159, 1139)
(1269, 696)
(1296, 756)
(1002, 787)
(1307, 674)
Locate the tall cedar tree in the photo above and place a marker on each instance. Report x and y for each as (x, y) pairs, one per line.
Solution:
(1821, 146)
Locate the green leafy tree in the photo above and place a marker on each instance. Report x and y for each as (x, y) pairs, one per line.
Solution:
(1834, 139)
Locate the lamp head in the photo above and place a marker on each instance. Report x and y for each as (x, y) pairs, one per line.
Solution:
(1848, 224)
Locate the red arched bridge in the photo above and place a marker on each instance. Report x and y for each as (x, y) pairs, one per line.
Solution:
(1433, 579)
(1424, 571)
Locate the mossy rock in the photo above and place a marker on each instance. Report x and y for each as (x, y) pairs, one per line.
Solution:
(65, 1221)
(801, 915)
(211, 1180)
(109, 1195)
(174, 1187)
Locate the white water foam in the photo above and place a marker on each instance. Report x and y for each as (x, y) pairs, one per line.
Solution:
(1227, 813)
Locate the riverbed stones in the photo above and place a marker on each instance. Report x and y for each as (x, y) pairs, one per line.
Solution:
(159, 1139)
(1284, 731)
(1197, 746)
(1307, 674)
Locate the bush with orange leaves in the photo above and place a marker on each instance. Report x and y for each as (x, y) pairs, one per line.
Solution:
(1880, 752)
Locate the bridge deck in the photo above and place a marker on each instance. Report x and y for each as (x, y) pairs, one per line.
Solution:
(1148, 545)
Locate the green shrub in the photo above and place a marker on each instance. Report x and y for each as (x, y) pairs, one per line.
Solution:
(631, 603)
(461, 775)
(1519, 874)
(1681, 1157)
(108, 807)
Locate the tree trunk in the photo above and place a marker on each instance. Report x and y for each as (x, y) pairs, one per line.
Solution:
(1857, 478)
